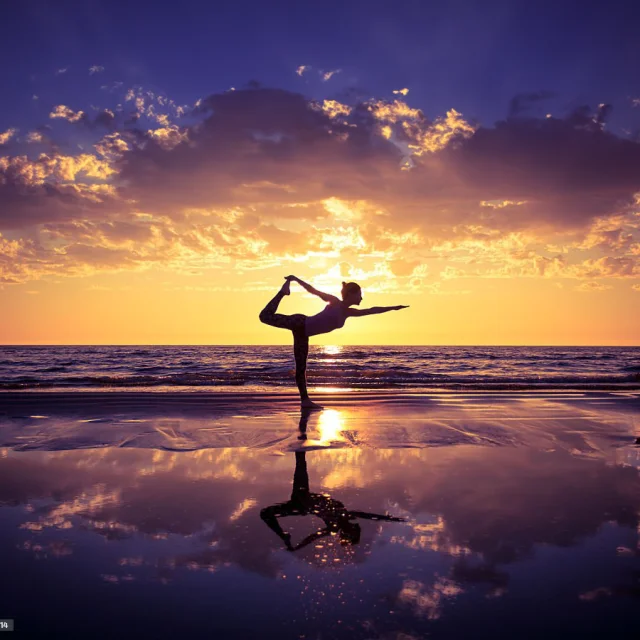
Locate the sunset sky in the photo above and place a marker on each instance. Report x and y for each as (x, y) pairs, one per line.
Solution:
(162, 170)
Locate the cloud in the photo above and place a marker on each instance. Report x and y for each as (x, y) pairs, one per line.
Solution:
(333, 108)
(246, 137)
(403, 92)
(54, 187)
(34, 136)
(168, 137)
(402, 267)
(524, 101)
(105, 119)
(366, 178)
(95, 69)
(327, 75)
(608, 267)
(64, 112)
(427, 601)
(592, 286)
(7, 135)
(303, 69)
(59, 72)
(603, 112)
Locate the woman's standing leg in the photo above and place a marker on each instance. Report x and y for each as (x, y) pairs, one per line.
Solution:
(301, 353)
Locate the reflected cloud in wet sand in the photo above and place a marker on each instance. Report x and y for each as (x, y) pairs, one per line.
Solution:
(340, 524)
(495, 502)
(433, 526)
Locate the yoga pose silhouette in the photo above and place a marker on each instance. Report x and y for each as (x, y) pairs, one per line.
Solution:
(338, 520)
(333, 316)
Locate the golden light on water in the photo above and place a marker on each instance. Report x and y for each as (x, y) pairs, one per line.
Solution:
(331, 426)
(331, 349)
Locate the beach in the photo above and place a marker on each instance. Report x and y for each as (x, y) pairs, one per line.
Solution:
(513, 512)
(317, 322)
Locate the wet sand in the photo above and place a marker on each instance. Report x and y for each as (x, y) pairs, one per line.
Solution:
(515, 514)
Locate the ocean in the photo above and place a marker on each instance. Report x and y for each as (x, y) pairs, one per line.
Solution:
(265, 368)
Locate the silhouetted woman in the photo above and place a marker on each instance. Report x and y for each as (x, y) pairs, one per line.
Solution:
(337, 519)
(333, 316)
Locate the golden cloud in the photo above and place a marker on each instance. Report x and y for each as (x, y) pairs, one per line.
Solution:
(262, 175)
(327, 75)
(7, 135)
(64, 112)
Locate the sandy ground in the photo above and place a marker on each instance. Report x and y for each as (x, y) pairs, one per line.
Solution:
(590, 423)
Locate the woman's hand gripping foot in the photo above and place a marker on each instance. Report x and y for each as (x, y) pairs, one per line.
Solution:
(286, 287)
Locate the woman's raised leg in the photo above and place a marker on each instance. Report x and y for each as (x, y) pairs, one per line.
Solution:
(269, 316)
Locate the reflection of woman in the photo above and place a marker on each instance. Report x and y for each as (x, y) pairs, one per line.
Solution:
(336, 517)
(332, 317)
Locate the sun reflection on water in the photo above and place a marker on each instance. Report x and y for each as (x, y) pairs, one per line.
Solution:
(331, 426)
(331, 349)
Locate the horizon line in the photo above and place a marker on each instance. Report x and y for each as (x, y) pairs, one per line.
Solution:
(139, 344)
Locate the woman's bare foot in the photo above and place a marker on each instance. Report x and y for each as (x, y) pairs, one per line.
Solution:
(308, 404)
(286, 288)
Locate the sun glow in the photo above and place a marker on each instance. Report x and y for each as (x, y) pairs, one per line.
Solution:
(331, 426)
(331, 349)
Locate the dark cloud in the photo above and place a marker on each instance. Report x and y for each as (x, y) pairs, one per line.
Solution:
(23, 205)
(604, 111)
(524, 101)
(105, 118)
(257, 136)
(568, 170)
(521, 155)
(270, 147)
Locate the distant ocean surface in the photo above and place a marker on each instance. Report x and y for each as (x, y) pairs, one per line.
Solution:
(270, 368)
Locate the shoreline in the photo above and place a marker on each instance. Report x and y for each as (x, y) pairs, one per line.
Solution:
(194, 401)
(322, 392)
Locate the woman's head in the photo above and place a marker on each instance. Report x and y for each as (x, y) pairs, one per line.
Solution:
(351, 293)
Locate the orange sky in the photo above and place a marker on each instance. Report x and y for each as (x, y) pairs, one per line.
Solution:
(157, 308)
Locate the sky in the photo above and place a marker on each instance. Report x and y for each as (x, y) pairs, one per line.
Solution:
(163, 169)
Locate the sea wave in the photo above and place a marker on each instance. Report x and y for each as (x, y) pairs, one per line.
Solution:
(356, 367)
(355, 380)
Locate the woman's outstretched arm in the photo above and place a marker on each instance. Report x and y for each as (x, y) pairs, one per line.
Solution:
(373, 310)
(327, 297)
